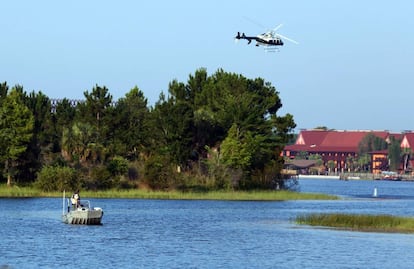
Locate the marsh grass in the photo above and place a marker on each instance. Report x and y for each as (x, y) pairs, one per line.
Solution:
(360, 222)
(20, 192)
(211, 195)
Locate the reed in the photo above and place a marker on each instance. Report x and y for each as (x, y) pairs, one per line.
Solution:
(20, 192)
(211, 195)
(24, 192)
(17, 192)
(360, 222)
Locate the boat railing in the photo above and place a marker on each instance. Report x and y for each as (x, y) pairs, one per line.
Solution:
(84, 204)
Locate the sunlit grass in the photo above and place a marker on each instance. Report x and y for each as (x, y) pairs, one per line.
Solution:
(20, 192)
(211, 195)
(360, 222)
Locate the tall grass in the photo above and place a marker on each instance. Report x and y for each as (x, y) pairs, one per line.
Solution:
(24, 192)
(360, 222)
(176, 195)
(211, 195)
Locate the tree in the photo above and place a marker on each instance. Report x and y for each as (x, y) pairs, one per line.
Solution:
(95, 111)
(129, 129)
(302, 155)
(172, 123)
(79, 144)
(237, 149)
(364, 162)
(16, 125)
(394, 154)
(225, 111)
(3, 91)
(371, 142)
(42, 147)
(64, 116)
(331, 166)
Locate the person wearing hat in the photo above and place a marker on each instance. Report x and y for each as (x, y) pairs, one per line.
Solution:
(75, 200)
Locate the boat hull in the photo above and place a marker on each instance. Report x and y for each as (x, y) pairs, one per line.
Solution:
(83, 216)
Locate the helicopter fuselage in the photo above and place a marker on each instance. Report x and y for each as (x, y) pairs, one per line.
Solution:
(265, 39)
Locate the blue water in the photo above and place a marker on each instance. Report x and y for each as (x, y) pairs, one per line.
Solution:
(209, 234)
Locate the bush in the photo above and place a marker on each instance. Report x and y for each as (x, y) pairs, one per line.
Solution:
(159, 173)
(57, 178)
(118, 166)
(100, 178)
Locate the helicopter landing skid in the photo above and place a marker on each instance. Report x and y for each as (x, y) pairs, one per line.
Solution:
(271, 49)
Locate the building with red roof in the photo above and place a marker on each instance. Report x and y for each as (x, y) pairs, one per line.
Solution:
(340, 147)
(407, 146)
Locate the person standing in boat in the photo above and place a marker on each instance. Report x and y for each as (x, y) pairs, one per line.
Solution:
(75, 199)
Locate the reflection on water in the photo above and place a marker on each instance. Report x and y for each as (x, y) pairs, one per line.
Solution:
(209, 234)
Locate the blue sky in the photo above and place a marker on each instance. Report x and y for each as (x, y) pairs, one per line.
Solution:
(353, 68)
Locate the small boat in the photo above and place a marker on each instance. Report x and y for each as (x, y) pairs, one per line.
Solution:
(375, 194)
(84, 214)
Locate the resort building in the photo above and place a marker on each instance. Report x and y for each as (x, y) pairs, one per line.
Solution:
(339, 149)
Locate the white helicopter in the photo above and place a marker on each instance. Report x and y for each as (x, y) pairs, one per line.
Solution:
(270, 40)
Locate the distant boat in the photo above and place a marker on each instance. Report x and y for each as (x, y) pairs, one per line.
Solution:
(389, 175)
(375, 194)
(84, 214)
(318, 177)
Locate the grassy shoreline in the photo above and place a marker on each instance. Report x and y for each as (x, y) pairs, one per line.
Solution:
(359, 222)
(30, 192)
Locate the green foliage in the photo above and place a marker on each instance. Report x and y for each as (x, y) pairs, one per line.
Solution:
(43, 146)
(57, 178)
(331, 165)
(96, 111)
(394, 153)
(130, 130)
(268, 178)
(378, 223)
(364, 161)
(100, 178)
(165, 146)
(79, 144)
(302, 155)
(159, 172)
(370, 143)
(237, 148)
(172, 123)
(16, 126)
(118, 166)
(4, 89)
(220, 176)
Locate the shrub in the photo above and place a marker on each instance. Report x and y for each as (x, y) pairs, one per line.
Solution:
(118, 166)
(100, 178)
(159, 173)
(57, 178)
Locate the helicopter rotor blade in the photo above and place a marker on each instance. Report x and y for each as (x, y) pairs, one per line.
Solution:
(287, 38)
(254, 22)
(278, 27)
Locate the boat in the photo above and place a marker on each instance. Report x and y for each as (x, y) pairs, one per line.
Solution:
(84, 214)
(389, 175)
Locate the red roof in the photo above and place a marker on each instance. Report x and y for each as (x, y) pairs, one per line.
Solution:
(408, 141)
(311, 137)
(332, 141)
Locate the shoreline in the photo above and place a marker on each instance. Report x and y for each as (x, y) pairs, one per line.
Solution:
(353, 176)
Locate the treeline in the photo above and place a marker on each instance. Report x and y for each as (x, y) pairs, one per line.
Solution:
(213, 132)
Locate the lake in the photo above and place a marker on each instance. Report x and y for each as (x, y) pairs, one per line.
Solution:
(209, 234)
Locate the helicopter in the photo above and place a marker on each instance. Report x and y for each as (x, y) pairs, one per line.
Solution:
(270, 40)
